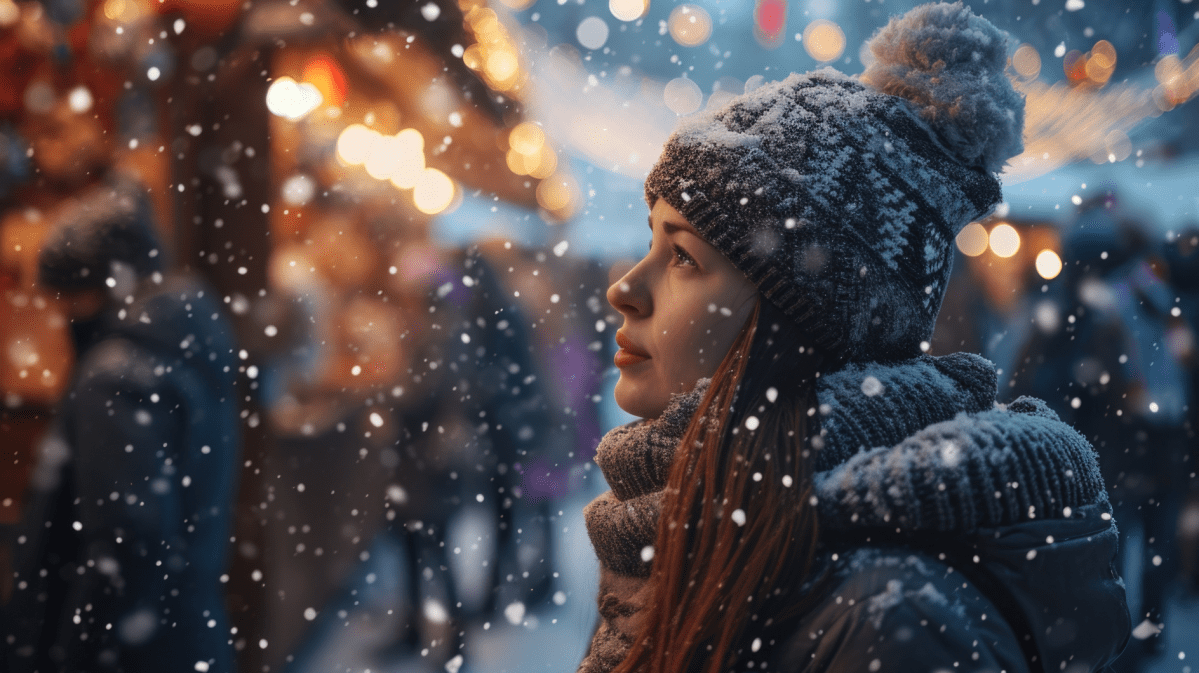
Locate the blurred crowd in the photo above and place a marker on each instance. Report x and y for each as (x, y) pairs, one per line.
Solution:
(243, 377)
(1105, 333)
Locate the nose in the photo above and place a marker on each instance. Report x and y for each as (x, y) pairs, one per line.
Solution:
(629, 294)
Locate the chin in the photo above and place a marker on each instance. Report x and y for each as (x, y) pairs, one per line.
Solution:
(636, 400)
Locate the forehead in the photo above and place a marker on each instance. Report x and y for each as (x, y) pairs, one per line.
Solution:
(671, 219)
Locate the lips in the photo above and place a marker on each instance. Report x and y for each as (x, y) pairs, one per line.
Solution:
(629, 353)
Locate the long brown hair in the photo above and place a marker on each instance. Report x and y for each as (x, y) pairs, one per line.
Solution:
(737, 533)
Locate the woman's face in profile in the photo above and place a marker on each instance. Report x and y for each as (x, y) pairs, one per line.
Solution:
(683, 305)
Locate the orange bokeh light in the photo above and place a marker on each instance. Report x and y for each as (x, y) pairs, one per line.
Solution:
(1075, 65)
(324, 73)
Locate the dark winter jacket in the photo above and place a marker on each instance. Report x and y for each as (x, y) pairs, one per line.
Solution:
(129, 515)
(956, 533)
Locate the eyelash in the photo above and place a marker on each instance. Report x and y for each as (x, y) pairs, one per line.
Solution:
(679, 253)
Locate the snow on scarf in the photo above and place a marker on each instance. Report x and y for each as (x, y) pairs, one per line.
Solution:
(919, 444)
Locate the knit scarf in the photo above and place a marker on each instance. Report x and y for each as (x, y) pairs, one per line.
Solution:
(919, 444)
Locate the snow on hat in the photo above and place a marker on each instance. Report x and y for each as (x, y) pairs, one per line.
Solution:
(840, 197)
(107, 224)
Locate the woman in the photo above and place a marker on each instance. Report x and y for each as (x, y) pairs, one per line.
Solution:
(832, 499)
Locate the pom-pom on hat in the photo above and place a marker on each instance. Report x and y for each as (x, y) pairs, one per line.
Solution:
(840, 197)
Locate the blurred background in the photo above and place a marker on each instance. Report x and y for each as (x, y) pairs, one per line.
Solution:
(409, 212)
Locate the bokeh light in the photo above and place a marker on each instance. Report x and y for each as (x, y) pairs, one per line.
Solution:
(690, 25)
(354, 144)
(80, 100)
(1004, 240)
(410, 146)
(323, 73)
(291, 99)
(824, 40)
(495, 55)
(384, 158)
(298, 189)
(433, 192)
(592, 32)
(1026, 61)
(501, 65)
(125, 11)
(972, 240)
(529, 153)
(682, 96)
(9, 13)
(1074, 65)
(1101, 62)
(1049, 265)
(770, 17)
(558, 194)
(526, 138)
(628, 10)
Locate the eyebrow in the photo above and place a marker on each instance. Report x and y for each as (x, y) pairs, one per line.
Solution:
(672, 227)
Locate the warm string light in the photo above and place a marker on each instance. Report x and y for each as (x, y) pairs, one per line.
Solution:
(529, 153)
(321, 83)
(1048, 264)
(1003, 240)
(558, 194)
(291, 99)
(1086, 116)
(399, 159)
(972, 240)
(326, 75)
(494, 54)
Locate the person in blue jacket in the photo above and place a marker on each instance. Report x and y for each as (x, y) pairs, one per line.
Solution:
(128, 517)
(809, 490)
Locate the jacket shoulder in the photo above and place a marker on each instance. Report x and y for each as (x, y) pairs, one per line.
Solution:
(893, 609)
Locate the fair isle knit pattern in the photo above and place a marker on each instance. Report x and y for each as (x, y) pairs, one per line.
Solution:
(918, 445)
(840, 198)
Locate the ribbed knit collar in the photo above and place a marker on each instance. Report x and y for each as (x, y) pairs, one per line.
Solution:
(865, 405)
(907, 448)
(919, 444)
(861, 406)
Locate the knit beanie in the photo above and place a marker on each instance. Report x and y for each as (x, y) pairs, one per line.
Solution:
(112, 222)
(840, 197)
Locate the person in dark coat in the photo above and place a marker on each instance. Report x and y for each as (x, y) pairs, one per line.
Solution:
(1113, 371)
(119, 567)
(474, 411)
(810, 491)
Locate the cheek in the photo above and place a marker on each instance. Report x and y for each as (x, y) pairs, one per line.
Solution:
(698, 348)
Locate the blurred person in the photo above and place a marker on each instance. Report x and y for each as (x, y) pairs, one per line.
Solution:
(1100, 356)
(1181, 257)
(473, 412)
(426, 406)
(124, 540)
(809, 491)
(563, 299)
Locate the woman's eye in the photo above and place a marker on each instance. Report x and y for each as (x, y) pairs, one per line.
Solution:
(683, 257)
